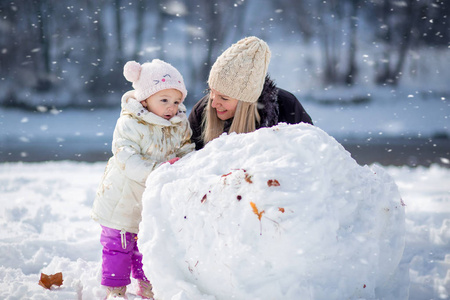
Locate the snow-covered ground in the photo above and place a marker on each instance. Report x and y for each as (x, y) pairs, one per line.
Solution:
(45, 225)
(44, 213)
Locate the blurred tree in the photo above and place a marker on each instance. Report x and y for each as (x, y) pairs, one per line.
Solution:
(337, 24)
(334, 24)
(330, 29)
(395, 27)
(45, 15)
(163, 17)
(302, 14)
(432, 22)
(10, 47)
(66, 53)
(139, 30)
(212, 27)
(352, 68)
(119, 33)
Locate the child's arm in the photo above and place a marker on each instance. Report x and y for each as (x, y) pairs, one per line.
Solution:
(127, 151)
(186, 145)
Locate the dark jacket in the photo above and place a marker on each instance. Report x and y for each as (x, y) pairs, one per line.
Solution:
(275, 105)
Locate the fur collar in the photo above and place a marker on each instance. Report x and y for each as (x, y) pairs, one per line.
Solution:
(268, 108)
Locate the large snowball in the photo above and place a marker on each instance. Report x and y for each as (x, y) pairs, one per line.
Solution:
(280, 213)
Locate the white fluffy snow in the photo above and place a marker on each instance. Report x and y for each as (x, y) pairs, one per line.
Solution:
(216, 225)
(45, 224)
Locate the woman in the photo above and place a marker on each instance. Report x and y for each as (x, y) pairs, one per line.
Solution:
(242, 97)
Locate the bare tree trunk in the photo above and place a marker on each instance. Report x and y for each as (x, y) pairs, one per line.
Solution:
(44, 15)
(216, 17)
(298, 10)
(383, 68)
(328, 38)
(119, 55)
(139, 30)
(404, 45)
(239, 21)
(193, 80)
(211, 32)
(388, 72)
(352, 67)
(99, 34)
(159, 28)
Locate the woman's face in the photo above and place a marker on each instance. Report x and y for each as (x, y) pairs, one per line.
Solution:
(225, 106)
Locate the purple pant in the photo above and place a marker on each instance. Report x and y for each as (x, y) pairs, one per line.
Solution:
(121, 257)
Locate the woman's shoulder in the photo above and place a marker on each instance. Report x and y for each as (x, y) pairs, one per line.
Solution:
(286, 100)
(195, 121)
(286, 96)
(291, 110)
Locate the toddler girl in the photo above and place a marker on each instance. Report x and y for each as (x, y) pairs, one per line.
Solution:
(150, 131)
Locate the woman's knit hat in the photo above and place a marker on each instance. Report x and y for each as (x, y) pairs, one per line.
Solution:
(152, 77)
(240, 71)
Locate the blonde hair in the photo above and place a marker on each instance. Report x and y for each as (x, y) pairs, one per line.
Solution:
(245, 119)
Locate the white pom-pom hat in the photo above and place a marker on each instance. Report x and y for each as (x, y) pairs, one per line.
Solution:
(152, 77)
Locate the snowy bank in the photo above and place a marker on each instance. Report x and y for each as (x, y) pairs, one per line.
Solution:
(45, 226)
(280, 213)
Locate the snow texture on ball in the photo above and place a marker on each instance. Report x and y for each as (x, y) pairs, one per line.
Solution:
(280, 213)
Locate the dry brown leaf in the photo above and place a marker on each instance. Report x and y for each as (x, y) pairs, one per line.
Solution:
(248, 178)
(273, 182)
(47, 281)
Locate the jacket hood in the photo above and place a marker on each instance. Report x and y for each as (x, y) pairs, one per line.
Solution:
(134, 107)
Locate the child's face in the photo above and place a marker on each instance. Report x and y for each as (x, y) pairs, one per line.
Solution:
(164, 103)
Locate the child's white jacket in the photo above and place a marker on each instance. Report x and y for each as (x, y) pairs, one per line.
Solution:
(142, 141)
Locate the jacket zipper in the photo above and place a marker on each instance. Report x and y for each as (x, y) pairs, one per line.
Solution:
(123, 238)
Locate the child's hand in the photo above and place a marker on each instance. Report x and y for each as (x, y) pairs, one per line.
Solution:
(173, 160)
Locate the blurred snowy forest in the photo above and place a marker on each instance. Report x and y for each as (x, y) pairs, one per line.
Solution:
(71, 53)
